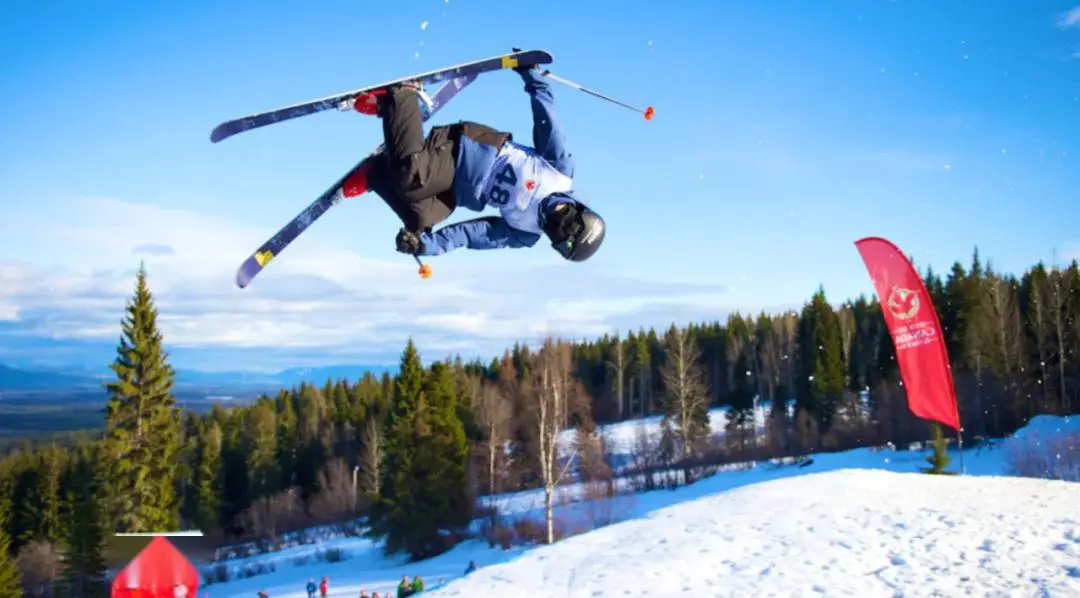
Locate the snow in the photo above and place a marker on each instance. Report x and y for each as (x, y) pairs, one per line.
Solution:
(855, 523)
(621, 437)
(848, 533)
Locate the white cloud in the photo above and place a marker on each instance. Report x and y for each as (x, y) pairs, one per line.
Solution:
(79, 273)
(1070, 18)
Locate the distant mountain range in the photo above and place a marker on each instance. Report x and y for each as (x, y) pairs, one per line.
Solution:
(12, 378)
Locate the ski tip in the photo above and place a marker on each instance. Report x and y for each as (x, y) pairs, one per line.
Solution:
(246, 273)
(542, 56)
(219, 133)
(535, 56)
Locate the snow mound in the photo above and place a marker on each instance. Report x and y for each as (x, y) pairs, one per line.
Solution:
(843, 533)
(1044, 426)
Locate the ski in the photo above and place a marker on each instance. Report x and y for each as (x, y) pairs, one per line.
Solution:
(343, 101)
(340, 190)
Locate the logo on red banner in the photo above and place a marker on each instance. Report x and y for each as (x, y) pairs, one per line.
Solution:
(903, 304)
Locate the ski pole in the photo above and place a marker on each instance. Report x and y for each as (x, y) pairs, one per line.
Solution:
(648, 111)
(425, 270)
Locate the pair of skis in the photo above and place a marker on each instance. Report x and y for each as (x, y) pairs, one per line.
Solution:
(354, 182)
(456, 77)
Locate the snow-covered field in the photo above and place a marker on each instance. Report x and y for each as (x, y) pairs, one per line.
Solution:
(622, 437)
(843, 533)
(859, 523)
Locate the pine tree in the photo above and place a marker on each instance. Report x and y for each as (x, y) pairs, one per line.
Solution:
(36, 520)
(822, 358)
(940, 459)
(10, 580)
(260, 426)
(235, 497)
(424, 508)
(445, 453)
(51, 526)
(312, 448)
(740, 417)
(82, 563)
(390, 517)
(144, 435)
(208, 479)
(643, 373)
(286, 439)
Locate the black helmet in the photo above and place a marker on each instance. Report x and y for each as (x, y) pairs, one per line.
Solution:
(576, 232)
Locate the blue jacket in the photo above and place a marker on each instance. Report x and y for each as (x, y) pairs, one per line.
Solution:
(475, 162)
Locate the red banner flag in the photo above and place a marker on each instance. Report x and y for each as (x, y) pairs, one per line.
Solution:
(158, 571)
(915, 330)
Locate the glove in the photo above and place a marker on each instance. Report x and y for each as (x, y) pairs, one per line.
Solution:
(409, 242)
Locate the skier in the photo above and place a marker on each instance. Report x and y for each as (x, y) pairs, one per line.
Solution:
(472, 166)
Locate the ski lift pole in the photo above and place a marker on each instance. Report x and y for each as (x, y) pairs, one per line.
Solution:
(648, 112)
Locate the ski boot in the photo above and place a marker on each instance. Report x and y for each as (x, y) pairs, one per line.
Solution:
(368, 103)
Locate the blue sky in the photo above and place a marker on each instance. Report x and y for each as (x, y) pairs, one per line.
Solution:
(784, 132)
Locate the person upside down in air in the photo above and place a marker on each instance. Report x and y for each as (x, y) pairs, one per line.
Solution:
(470, 165)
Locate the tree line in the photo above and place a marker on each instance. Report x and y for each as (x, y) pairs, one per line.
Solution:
(413, 451)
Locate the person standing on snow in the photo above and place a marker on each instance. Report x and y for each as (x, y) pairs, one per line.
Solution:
(324, 587)
(404, 589)
(473, 166)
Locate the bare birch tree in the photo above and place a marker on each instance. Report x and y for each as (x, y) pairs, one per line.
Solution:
(270, 515)
(336, 492)
(686, 391)
(371, 455)
(553, 388)
(786, 327)
(1005, 344)
(39, 565)
(493, 413)
(1057, 305)
(1040, 322)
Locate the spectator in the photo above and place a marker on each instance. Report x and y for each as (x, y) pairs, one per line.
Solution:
(363, 593)
(263, 594)
(311, 588)
(470, 568)
(404, 589)
(324, 587)
(417, 585)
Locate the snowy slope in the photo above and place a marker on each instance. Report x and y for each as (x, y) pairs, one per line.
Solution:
(367, 568)
(844, 533)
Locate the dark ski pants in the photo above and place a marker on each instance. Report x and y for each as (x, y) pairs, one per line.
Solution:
(414, 175)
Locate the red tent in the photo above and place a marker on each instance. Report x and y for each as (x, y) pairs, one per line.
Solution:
(158, 571)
